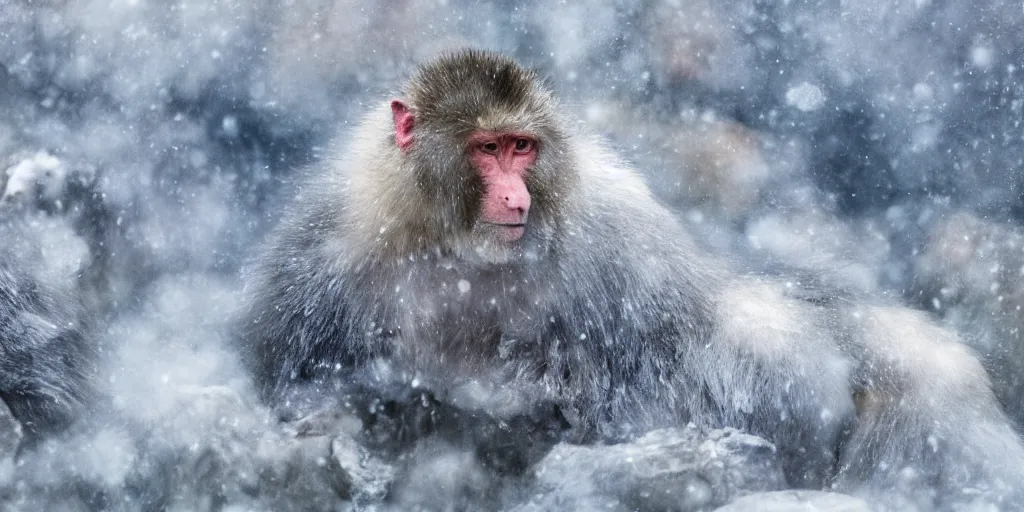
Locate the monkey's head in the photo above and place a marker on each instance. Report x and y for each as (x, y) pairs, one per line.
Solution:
(483, 140)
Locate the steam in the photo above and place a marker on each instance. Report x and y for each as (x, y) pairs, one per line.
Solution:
(148, 145)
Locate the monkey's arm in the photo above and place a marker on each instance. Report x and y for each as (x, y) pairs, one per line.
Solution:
(396, 417)
(773, 367)
(300, 324)
(895, 401)
(928, 413)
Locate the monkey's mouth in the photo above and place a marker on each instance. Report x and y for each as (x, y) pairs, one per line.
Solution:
(509, 232)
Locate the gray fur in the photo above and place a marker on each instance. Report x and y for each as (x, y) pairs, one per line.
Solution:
(47, 365)
(607, 308)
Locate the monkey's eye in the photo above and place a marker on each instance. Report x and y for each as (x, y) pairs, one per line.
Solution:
(489, 147)
(523, 145)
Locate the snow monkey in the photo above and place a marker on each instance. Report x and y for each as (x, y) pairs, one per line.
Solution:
(47, 363)
(469, 241)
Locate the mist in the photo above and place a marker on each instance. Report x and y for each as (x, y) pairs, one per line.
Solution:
(147, 147)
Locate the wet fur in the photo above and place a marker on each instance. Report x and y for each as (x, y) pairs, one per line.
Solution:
(47, 364)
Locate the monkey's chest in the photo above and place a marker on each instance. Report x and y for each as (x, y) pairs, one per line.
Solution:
(457, 321)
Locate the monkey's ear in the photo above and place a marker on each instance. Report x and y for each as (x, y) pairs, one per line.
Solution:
(404, 122)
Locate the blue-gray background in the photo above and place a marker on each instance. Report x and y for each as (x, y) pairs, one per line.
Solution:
(150, 143)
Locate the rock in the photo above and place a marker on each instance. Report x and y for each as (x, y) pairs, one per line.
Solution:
(797, 501)
(671, 470)
(438, 476)
(226, 451)
(359, 475)
(209, 450)
(42, 173)
(10, 438)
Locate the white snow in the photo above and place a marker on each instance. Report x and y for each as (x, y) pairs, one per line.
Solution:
(805, 97)
(41, 171)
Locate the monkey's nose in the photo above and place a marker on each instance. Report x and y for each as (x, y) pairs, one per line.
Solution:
(518, 202)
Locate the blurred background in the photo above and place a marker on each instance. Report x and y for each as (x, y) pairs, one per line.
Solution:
(146, 146)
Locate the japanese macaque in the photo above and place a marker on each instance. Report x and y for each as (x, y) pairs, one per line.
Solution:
(47, 365)
(469, 242)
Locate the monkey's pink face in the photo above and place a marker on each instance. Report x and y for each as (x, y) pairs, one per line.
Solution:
(503, 160)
